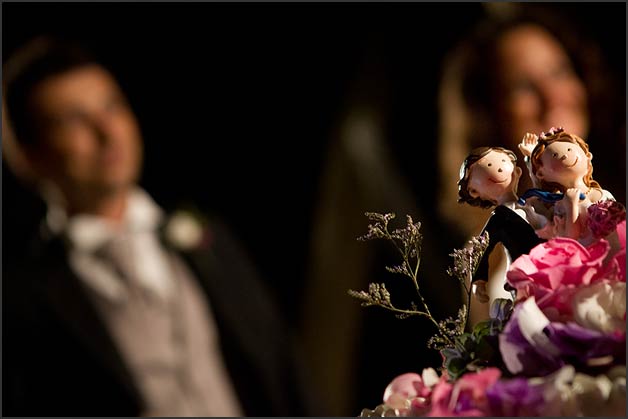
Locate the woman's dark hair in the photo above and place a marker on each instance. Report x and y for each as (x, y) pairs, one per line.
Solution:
(469, 94)
(34, 62)
(478, 68)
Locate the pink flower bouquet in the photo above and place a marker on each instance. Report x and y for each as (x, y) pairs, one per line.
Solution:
(559, 347)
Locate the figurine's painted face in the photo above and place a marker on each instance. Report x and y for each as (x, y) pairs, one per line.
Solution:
(538, 87)
(563, 162)
(493, 177)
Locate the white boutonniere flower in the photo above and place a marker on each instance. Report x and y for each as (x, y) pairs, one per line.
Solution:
(185, 230)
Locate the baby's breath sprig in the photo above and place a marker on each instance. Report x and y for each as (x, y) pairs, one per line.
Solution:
(407, 241)
(466, 262)
(377, 295)
(461, 351)
(452, 328)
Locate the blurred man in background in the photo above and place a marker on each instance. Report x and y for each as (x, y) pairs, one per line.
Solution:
(121, 309)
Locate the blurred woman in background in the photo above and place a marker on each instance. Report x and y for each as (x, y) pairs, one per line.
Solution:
(525, 69)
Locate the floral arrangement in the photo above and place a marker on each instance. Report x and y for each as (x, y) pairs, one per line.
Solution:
(557, 349)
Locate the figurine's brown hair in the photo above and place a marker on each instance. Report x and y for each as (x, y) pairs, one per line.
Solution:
(565, 137)
(463, 184)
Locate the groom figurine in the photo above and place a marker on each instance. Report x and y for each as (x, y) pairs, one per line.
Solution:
(121, 309)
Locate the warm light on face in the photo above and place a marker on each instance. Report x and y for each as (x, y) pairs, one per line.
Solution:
(563, 163)
(491, 177)
(538, 85)
(89, 138)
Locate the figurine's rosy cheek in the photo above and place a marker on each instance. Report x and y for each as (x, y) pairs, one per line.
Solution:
(478, 183)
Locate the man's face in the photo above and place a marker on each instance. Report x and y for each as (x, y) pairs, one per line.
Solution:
(88, 139)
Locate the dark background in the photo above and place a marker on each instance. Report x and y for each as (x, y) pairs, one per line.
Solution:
(238, 101)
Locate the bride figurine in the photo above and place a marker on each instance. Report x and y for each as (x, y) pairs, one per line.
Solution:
(560, 165)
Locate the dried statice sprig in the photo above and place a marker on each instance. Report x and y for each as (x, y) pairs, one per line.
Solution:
(451, 328)
(407, 241)
(466, 262)
(377, 295)
(380, 228)
(467, 259)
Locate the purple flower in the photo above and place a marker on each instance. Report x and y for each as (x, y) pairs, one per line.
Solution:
(524, 347)
(586, 348)
(515, 397)
(531, 345)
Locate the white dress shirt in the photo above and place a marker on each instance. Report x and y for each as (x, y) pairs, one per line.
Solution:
(153, 308)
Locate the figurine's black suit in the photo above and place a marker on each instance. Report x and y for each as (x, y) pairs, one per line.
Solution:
(516, 235)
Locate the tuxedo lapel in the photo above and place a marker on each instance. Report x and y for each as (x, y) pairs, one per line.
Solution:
(212, 262)
(69, 300)
(223, 293)
(248, 322)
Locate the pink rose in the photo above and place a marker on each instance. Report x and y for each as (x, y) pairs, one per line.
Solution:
(441, 397)
(465, 397)
(554, 269)
(604, 216)
(621, 234)
(410, 393)
(615, 261)
(402, 388)
(618, 250)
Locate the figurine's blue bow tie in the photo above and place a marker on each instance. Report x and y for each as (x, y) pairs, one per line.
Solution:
(545, 196)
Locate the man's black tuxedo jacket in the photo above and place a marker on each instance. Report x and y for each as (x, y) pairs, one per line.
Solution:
(59, 359)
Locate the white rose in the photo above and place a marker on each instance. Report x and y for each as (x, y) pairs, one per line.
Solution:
(184, 231)
(601, 306)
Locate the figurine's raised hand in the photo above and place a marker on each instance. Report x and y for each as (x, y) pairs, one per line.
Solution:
(527, 144)
(572, 194)
(572, 198)
(572, 208)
